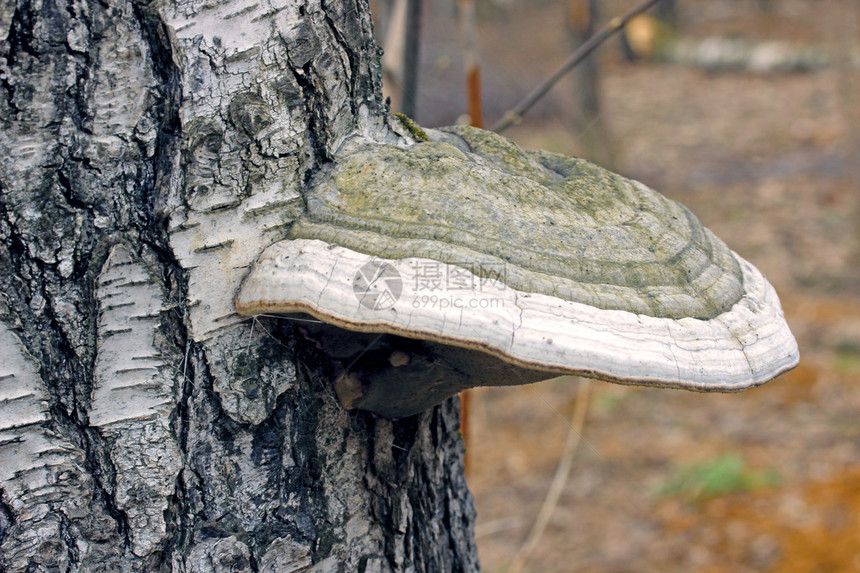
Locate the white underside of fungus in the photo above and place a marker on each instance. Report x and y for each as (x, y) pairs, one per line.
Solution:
(743, 347)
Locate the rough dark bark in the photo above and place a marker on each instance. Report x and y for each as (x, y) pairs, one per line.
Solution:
(151, 150)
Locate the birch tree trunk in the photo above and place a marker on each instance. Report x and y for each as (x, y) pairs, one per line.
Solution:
(149, 151)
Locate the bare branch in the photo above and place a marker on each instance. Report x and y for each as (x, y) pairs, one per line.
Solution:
(514, 115)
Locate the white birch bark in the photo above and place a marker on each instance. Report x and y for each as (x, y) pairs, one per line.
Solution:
(151, 150)
(46, 491)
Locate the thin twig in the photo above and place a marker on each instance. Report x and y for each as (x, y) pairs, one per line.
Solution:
(514, 115)
(562, 472)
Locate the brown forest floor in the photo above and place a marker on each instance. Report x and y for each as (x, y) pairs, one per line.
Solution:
(768, 163)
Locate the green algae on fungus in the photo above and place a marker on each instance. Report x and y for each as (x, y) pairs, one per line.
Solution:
(413, 128)
(554, 225)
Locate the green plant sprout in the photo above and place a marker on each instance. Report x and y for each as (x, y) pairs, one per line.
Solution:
(723, 475)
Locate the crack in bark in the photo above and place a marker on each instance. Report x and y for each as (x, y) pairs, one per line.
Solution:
(168, 141)
(21, 34)
(354, 70)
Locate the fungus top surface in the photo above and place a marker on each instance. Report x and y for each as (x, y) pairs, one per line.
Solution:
(556, 225)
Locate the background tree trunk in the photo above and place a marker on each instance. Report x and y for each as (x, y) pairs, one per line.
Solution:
(589, 124)
(150, 151)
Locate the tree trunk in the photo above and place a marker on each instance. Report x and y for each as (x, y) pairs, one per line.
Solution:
(150, 151)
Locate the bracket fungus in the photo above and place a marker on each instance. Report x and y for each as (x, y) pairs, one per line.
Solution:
(465, 261)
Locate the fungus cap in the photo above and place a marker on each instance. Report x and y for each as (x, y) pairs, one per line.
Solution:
(547, 263)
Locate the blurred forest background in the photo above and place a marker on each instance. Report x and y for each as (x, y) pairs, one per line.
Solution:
(748, 112)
